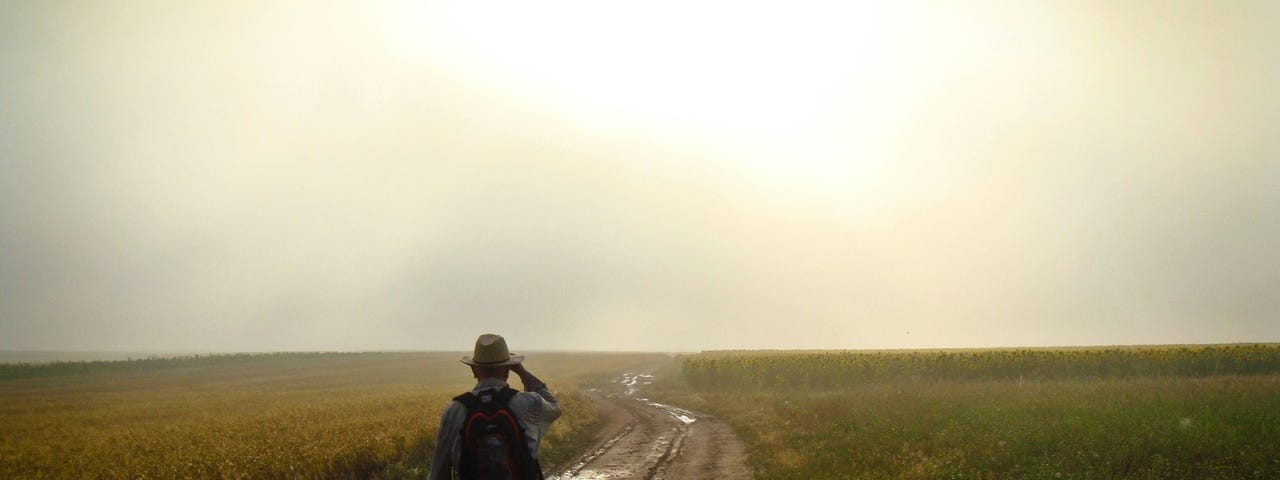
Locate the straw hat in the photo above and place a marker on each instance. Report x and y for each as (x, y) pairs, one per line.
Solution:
(491, 351)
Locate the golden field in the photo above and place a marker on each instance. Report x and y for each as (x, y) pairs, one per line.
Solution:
(309, 415)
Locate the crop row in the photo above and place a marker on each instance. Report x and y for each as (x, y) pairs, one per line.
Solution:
(848, 368)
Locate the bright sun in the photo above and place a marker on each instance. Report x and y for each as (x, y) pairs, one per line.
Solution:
(817, 93)
(723, 64)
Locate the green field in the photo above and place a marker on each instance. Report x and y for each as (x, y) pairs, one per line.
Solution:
(1134, 412)
(316, 415)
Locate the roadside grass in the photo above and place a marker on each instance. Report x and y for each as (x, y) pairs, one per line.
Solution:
(270, 416)
(905, 427)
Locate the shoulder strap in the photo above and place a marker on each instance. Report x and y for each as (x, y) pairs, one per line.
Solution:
(505, 395)
(469, 400)
(472, 401)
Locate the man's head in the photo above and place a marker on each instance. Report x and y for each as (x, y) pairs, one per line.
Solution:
(491, 358)
(482, 373)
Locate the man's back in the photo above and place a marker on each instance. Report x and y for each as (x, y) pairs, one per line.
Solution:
(493, 441)
(535, 409)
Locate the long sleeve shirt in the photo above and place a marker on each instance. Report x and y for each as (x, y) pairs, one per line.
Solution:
(535, 409)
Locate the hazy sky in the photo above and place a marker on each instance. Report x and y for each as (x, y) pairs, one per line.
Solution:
(221, 175)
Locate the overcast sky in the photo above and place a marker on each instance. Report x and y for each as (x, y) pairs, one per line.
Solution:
(227, 176)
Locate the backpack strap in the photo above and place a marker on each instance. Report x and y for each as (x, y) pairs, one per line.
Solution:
(472, 401)
(505, 395)
(468, 400)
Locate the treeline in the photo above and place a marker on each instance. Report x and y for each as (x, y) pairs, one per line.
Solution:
(13, 371)
(842, 369)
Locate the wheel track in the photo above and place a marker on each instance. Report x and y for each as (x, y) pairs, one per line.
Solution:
(647, 440)
(673, 450)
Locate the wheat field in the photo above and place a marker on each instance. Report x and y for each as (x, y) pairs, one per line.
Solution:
(299, 415)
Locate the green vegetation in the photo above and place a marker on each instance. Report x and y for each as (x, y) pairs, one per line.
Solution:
(260, 416)
(749, 369)
(1150, 412)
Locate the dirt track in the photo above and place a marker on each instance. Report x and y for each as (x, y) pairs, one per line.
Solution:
(646, 440)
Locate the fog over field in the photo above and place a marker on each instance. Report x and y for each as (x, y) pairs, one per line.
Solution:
(215, 176)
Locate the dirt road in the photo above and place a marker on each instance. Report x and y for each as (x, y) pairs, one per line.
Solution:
(646, 440)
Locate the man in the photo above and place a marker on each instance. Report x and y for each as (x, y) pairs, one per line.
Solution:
(464, 450)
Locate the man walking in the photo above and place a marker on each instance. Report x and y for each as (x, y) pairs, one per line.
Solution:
(493, 432)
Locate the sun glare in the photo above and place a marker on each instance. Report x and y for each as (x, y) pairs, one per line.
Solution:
(818, 95)
(723, 67)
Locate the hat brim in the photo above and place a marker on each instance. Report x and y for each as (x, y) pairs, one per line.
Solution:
(512, 360)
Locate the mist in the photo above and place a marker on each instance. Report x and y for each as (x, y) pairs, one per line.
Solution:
(224, 177)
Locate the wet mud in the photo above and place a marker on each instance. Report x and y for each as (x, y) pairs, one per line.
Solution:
(647, 440)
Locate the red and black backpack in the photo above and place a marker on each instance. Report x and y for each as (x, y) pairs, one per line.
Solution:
(493, 445)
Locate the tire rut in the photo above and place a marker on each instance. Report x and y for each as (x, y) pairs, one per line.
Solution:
(645, 440)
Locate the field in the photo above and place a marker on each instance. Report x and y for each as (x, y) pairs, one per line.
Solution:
(1132, 412)
(316, 415)
(1166, 412)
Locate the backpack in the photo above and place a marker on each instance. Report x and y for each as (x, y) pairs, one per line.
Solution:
(493, 444)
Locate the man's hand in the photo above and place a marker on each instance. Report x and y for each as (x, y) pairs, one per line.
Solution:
(531, 383)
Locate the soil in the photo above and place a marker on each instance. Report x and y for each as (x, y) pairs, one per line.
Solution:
(646, 440)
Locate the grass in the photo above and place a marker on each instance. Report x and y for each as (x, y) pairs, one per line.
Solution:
(994, 424)
(261, 416)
